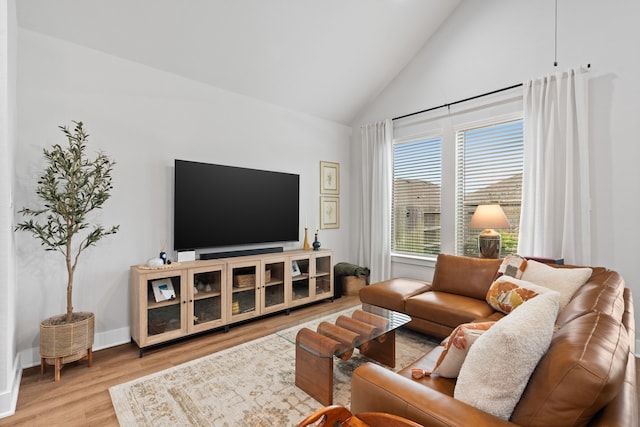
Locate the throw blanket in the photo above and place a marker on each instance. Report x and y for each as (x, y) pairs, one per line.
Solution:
(346, 269)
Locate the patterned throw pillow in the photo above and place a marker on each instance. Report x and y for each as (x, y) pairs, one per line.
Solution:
(507, 293)
(456, 348)
(512, 266)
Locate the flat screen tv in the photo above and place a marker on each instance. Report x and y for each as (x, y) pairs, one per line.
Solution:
(217, 205)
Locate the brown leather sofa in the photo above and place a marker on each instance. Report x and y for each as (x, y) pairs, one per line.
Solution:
(587, 377)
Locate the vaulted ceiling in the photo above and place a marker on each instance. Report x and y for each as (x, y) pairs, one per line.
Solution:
(326, 58)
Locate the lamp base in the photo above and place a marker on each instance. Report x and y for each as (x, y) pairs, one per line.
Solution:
(489, 244)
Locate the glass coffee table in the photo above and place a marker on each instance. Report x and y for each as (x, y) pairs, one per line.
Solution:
(370, 329)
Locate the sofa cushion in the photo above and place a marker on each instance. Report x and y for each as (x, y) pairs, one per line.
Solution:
(507, 293)
(448, 309)
(457, 347)
(501, 361)
(391, 294)
(564, 280)
(465, 276)
(582, 372)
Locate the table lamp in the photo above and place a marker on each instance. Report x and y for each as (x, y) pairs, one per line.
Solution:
(489, 217)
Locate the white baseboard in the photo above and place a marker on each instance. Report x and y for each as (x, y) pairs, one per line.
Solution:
(102, 340)
(9, 397)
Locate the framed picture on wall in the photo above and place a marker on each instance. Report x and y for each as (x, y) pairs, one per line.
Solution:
(329, 178)
(329, 212)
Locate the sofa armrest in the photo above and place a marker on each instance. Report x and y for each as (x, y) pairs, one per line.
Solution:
(376, 389)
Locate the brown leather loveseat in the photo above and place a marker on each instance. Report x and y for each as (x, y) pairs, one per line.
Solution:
(586, 377)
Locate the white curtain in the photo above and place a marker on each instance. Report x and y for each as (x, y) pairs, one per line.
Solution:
(555, 218)
(374, 246)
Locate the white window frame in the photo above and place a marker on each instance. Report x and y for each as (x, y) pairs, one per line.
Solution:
(446, 122)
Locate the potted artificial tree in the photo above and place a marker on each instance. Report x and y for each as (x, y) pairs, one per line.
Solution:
(71, 187)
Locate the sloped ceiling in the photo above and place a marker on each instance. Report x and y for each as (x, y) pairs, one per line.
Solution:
(326, 58)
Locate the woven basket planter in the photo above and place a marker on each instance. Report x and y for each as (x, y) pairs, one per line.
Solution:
(62, 343)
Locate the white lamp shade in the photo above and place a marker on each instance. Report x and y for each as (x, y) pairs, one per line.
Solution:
(489, 216)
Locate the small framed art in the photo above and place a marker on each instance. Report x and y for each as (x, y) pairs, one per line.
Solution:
(329, 178)
(329, 212)
(295, 269)
(163, 290)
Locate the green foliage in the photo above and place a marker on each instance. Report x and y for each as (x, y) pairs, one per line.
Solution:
(509, 243)
(70, 188)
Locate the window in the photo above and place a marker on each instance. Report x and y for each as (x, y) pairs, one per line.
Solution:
(415, 217)
(488, 170)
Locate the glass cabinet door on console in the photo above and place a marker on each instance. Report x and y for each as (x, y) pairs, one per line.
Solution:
(323, 275)
(244, 302)
(207, 299)
(163, 295)
(312, 277)
(273, 292)
(301, 285)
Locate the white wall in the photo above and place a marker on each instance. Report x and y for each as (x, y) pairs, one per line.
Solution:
(492, 44)
(10, 372)
(144, 119)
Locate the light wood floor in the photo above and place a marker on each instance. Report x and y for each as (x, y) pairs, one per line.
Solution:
(81, 397)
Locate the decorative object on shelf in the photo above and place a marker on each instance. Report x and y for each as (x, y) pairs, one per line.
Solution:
(184, 256)
(245, 280)
(70, 179)
(295, 269)
(305, 245)
(489, 217)
(157, 326)
(235, 307)
(329, 212)
(329, 178)
(157, 266)
(316, 242)
(208, 288)
(195, 290)
(163, 255)
(155, 262)
(163, 290)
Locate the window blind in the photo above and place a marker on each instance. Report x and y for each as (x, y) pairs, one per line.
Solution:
(417, 180)
(489, 161)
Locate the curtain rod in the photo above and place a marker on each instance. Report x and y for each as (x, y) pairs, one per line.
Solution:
(463, 100)
(457, 102)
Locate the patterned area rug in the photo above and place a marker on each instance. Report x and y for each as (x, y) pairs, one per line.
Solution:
(248, 385)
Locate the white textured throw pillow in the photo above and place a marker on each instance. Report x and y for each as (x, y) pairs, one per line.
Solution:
(564, 280)
(500, 362)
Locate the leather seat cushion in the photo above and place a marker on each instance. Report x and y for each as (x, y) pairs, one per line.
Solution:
(391, 294)
(447, 309)
(426, 363)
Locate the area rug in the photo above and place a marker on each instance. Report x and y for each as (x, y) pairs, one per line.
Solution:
(248, 385)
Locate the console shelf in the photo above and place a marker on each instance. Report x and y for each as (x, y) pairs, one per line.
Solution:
(207, 296)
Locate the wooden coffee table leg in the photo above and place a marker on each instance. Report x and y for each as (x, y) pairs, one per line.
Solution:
(314, 365)
(383, 352)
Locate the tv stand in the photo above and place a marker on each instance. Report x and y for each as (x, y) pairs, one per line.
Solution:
(243, 252)
(191, 297)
